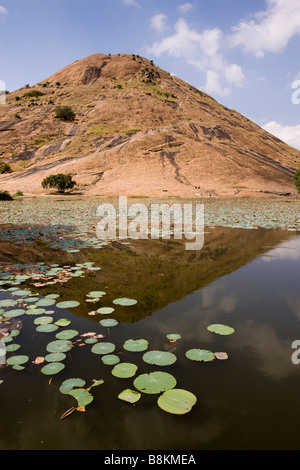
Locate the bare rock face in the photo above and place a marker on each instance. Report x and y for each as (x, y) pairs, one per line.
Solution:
(138, 131)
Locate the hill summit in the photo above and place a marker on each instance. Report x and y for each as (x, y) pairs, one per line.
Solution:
(137, 131)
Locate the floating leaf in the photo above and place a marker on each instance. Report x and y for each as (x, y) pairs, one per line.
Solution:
(110, 360)
(12, 347)
(55, 357)
(177, 401)
(103, 348)
(82, 396)
(159, 358)
(52, 368)
(124, 370)
(45, 302)
(43, 320)
(66, 334)
(62, 322)
(96, 294)
(200, 355)
(220, 329)
(105, 310)
(155, 382)
(130, 396)
(173, 337)
(35, 311)
(59, 346)
(95, 383)
(17, 360)
(49, 328)
(136, 345)
(109, 323)
(15, 313)
(69, 384)
(68, 304)
(125, 302)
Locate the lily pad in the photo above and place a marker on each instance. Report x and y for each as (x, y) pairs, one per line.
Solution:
(159, 358)
(55, 357)
(103, 348)
(109, 323)
(155, 382)
(62, 322)
(110, 360)
(220, 329)
(17, 360)
(97, 294)
(125, 302)
(15, 313)
(52, 368)
(124, 370)
(69, 384)
(130, 396)
(136, 345)
(202, 355)
(45, 302)
(68, 304)
(60, 345)
(66, 334)
(82, 396)
(173, 337)
(43, 320)
(177, 401)
(48, 328)
(105, 310)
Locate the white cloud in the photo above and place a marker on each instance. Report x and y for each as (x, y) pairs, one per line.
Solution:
(203, 50)
(269, 30)
(131, 3)
(158, 22)
(288, 134)
(3, 10)
(185, 7)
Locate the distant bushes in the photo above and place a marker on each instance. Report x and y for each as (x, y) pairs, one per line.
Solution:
(60, 182)
(297, 180)
(33, 94)
(5, 168)
(5, 196)
(65, 113)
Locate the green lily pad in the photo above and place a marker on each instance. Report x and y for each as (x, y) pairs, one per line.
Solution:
(103, 348)
(43, 320)
(12, 347)
(173, 337)
(45, 302)
(68, 304)
(82, 396)
(66, 334)
(159, 358)
(62, 322)
(48, 328)
(17, 360)
(220, 329)
(136, 345)
(55, 357)
(35, 311)
(69, 384)
(125, 302)
(96, 294)
(109, 323)
(130, 396)
(177, 401)
(110, 360)
(200, 355)
(124, 370)
(105, 310)
(52, 368)
(155, 382)
(60, 345)
(15, 313)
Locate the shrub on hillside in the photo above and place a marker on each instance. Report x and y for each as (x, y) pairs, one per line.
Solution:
(297, 180)
(5, 196)
(5, 168)
(60, 182)
(33, 94)
(65, 113)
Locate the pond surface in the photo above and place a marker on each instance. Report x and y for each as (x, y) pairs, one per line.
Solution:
(246, 277)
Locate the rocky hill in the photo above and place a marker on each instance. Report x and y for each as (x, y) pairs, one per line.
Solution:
(138, 131)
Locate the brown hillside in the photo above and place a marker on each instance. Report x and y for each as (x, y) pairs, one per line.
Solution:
(138, 131)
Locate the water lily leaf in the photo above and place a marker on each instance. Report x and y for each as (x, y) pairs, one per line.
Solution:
(220, 329)
(62, 322)
(200, 355)
(35, 311)
(124, 370)
(82, 396)
(155, 382)
(60, 345)
(68, 304)
(105, 310)
(69, 384)
(95, 383)
(55, 357)
(97, 294)
(52, 296)
(177, 401)
(110, 359)
(43, 320)
(48, 328)
(109, 323)
(45, 302)
(136, 345)
(130, 396)
(66, 334)
(159, 358)
(103, 348)
(17, 360)
(173, 337)
(15, 313)
(52, 368)
(12, 347)
(125, 302)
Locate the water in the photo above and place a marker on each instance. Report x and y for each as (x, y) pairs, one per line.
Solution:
(244, 277)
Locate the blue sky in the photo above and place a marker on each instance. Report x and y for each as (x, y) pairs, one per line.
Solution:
(244, 53)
